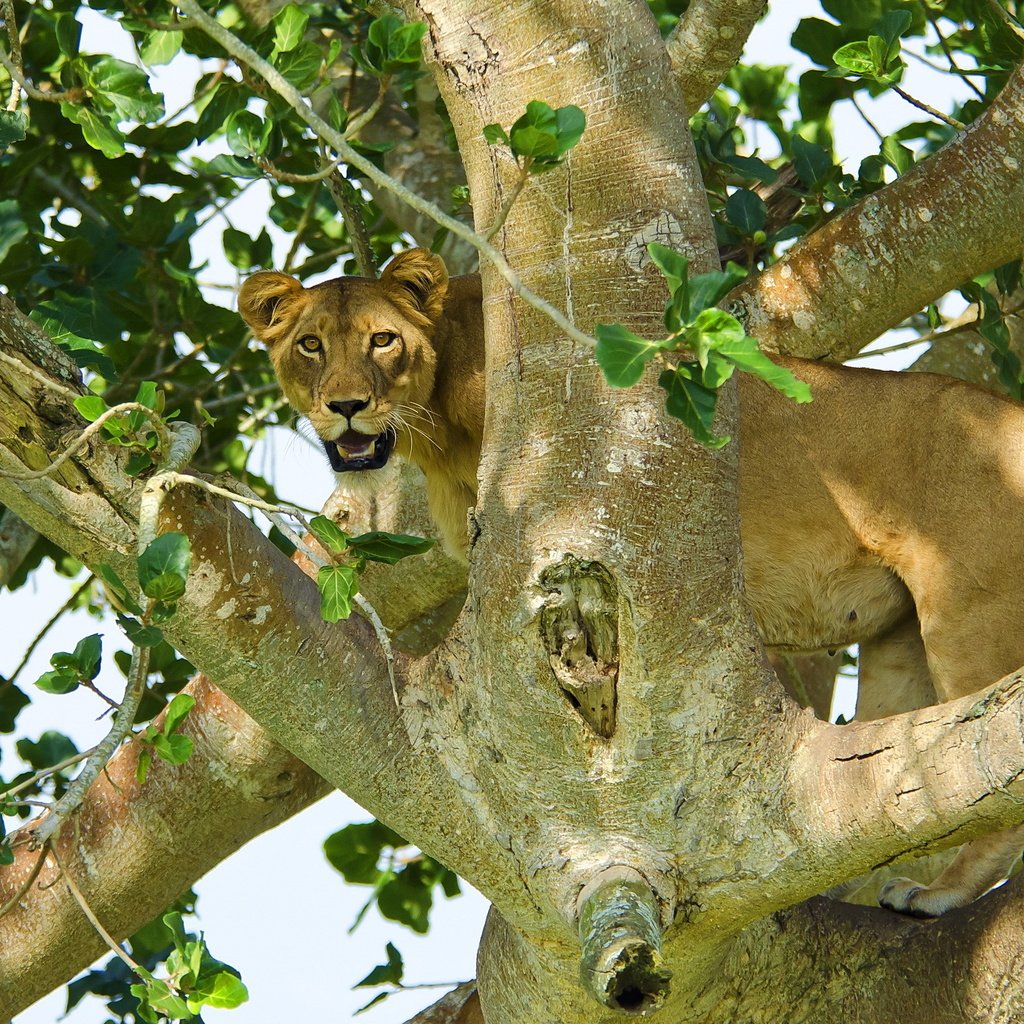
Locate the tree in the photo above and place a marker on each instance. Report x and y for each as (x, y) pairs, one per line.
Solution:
(673, 865)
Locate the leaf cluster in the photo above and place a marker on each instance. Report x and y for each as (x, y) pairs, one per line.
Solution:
(402, 878)
(712, 344)
(339, 582)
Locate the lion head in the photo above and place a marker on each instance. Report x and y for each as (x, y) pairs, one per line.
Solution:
(353, 355)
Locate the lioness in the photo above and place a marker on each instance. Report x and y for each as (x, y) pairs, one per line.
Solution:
(864, 513)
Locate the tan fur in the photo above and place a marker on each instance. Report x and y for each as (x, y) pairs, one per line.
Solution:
(428, 387)
(884, 513)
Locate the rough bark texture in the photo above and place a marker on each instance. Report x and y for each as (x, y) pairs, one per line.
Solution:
(707, 42)
(720, 802)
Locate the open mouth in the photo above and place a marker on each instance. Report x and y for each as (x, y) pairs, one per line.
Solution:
(354, 451)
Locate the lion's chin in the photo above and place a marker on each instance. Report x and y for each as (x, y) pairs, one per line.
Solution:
(354, 451)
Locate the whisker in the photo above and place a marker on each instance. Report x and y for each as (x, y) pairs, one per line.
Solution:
(400, 422)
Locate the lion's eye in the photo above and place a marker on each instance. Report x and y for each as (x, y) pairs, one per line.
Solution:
(309, 344)
(382, 339)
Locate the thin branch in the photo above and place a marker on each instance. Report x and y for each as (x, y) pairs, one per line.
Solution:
(27, 884)
(954, 67)
(158, 425)
(40, 775)
(37, 640)
(506, 206)
(69, 96)
(94, 920)
(287, 178)
(337, 142)
(355, 225)
(707, 42)
(921, 105)
(7, 12)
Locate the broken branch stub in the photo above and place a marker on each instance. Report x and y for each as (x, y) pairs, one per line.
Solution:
(620, 933)
(580, 628)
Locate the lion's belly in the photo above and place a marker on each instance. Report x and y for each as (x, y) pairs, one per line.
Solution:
(808, 596)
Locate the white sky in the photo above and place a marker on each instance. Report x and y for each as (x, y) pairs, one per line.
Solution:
(276, 910)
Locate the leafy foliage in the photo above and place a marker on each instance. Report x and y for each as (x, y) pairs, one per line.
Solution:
(714, 338)
(339, 583)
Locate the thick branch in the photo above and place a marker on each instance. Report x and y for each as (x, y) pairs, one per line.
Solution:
(873, 792)
(16, 540)
(897, 250)
(707, 42)
(250, 619)
(135, 847)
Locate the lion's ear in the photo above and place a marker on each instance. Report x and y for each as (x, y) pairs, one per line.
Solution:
(417, 281)
(268, 302)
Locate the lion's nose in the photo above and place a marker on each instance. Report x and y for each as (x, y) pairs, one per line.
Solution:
(350, 408)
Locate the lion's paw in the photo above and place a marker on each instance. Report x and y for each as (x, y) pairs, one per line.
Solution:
(906, 896)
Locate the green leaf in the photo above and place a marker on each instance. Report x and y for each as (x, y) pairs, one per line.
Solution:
(896, 155)
(90, 407)
(389, 973)
(117, 587)
(87, 656)
(496, 135)
(289, 27)
(856, 57)
(389, 548)
(338, 585)
(51, 748)
(745, 354)
(177, 711)
(892, 25)
(144, 763)
(811, 162)
(246, 134)
(746, 211)
(356, 850)
(12, 227)
(332, 536)
(301, 66)
(712, 330)
(160, 47)
(68, 33)
(674, 267)
(392, 46)
(6, 855)
(221, 991)
(13, 127)
(622, 355)
(174, 749)
(709, 289)
(163, 567)
(690, 401)
(59, 681)
(96, 130)
(158, 996)
(1008, 277)
(123, 89)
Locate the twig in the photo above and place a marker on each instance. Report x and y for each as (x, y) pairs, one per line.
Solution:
(160, 428)
(296, 179)
(40, 775)
(69, 96)
(354, 224)
(499, 221)
(337, 142)
(7, 12)
(64, 608)
(361, 120)
(864, 117)
(27, 884)
(921, 105)
(94, 920)
(954, 67)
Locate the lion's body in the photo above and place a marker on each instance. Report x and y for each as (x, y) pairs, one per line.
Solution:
(883, 513)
